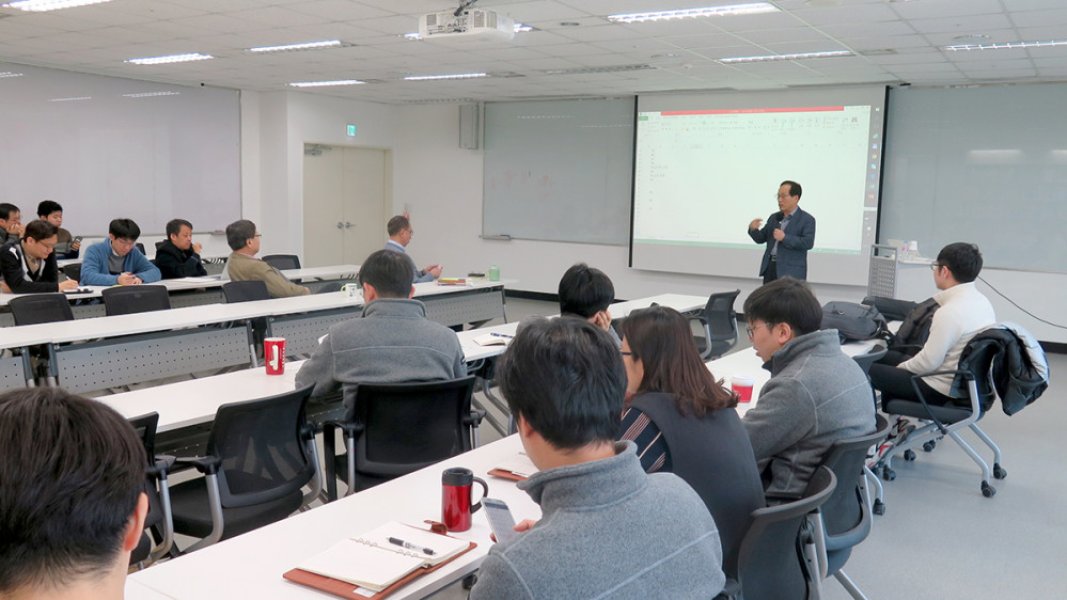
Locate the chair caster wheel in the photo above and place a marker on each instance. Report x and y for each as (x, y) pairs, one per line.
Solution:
(998, 471)
(987, 490)
(889, 474)
(929, 446)
(878, 508)
(469, 581)
(909, 455)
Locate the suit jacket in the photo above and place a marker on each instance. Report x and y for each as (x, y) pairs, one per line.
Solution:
(13, 268)
(793, 250)
(244, 268)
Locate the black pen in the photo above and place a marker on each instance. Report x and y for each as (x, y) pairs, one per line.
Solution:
(410, 546)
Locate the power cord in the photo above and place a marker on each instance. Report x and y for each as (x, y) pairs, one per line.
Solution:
(1012, 302)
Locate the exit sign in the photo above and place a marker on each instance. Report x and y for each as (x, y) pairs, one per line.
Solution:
(351, 130)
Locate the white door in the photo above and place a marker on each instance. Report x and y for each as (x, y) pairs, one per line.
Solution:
(323, 193)
(366, 192)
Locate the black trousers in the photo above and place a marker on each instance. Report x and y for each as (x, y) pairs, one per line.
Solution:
(772, 271)
(895, 382)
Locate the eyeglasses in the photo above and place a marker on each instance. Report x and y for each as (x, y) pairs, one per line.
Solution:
(752, 330)
(626, 353)
(935, 266)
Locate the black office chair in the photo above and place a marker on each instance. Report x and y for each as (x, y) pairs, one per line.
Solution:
(245, 291)
(260, 454)
(158, 537)
(140, 247)
(870, 357)
(282, 261)
(159, 244)
(32, 309)
(72, 271)
(844, 520)
(127, 300)
(720, 325)
(775, 562)
(393, 429)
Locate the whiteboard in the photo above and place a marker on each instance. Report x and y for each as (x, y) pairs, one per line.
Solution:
(559, 170)
(986, 165)
(103, 148)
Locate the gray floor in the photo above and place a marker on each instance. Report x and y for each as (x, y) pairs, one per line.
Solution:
(940, 538)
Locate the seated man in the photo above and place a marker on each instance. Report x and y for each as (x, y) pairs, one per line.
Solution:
(10, 223)
(607, 528)
(963, 311)
(117, 260)
(179, 256)
(51, 211)
(586, 292)
(29, 266)
(816, 395)
(400, 233)
(72, 505)
(242, 265)
(394, 342)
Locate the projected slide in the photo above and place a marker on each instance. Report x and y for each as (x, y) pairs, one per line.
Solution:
(702, 174)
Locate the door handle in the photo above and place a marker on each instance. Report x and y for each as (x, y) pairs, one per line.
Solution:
(348, 225)
(340, 225)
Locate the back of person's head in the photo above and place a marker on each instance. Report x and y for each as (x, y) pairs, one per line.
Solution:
(124, 229)
(661, 339)
(963, 259)
(389, 272)
(397, 224)
(39, 229)
(47, 207)
(239, 232)
(174, 226)
(794, 188)
(788, 301)
(71, 473)
(6, 209)
(566, 379)
(585, 291)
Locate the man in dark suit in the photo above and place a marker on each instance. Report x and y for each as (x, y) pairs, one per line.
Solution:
(789, 234)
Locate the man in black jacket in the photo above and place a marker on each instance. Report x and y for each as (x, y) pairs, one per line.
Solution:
(179, 256)
(29, 265)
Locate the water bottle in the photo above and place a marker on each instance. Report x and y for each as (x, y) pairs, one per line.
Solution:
(494, 273)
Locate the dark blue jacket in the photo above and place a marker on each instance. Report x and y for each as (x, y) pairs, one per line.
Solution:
(793, 250)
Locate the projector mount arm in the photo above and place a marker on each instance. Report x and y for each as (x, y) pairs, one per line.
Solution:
(464, 6)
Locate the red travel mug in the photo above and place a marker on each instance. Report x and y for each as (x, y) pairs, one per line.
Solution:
(274, 355)
(456, 506)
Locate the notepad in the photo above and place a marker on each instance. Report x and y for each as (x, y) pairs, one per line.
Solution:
(493, 339)
(370, 561)
(518, 468)
(451, 281)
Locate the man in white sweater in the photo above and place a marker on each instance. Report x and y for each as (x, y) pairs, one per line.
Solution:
(963, 311)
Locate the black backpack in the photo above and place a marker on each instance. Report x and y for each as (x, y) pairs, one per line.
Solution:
(854, 321)
(915, 329)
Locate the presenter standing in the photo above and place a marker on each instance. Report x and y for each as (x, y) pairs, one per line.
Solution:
(789, 234)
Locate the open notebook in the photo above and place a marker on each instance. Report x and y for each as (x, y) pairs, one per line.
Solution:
(372, 562)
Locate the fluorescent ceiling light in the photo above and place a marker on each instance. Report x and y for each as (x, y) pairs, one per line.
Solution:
(308, 84)
(774, 57)
(302, 46)
(150, 94)
(6, 74)
(729, 10)
(436, 77)
(173, 58)
(1005, 45)
(72, 99)
(43, 5)
(519, 28)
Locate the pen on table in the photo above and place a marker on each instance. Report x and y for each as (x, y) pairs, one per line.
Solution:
(410, 546)
(501, 335)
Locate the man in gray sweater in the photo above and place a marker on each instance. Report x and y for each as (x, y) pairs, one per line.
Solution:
(816, 396)
(394, 342)
(608, 529)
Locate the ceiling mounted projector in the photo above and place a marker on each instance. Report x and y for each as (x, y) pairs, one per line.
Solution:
(475, 24)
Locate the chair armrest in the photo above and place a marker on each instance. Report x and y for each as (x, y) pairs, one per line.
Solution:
(915, 379)
(350, 428)
(474, 418)
(161, 467)
(208, 465)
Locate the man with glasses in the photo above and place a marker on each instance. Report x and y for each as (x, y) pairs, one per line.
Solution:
(963, 311)
(29, 265)
(400, 234)
(117, 260)
(789, 234)
(816, 395)
(242, 265)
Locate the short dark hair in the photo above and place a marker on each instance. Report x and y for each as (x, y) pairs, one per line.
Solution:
(585, 291)
(239, 232)
(174, 226)
(389, 272)
(397, 224)
(660, 338)
(124, 229)
(47, 207)
(72, 471)
(794, 188)
(565, 378)
(963, 259)
(39, 229)
(6, 209)
(785, 300)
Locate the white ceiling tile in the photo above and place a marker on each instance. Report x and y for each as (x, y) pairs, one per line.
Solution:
(342, 10)
(933, 9)
(793, 34)
(541, 10)
(859, 29)
(976, 56)
(1024, 5)
(975, 24)
(824, 15)
(597, 33)
(1040, 18)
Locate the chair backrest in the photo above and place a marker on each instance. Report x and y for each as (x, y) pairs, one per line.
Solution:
(721, 317)
(73, 271)
(245, 291)
(159, 244)
(145, 426)
(408, 426)
(261, 446)
(282, 261)
(40, 308)
(770, 565)
(140, 247)
(870, 357)
(126, 300)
